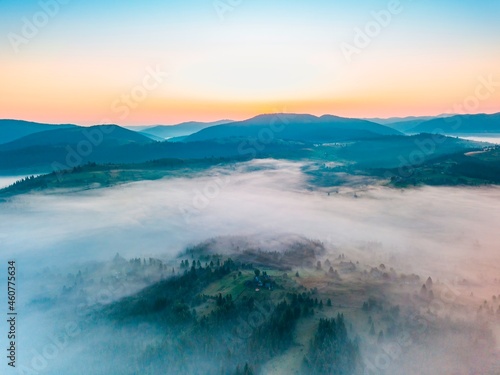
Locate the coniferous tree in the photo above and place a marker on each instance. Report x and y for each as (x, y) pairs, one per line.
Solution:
(372, 330)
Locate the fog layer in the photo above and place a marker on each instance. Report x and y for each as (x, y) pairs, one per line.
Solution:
(451, 233)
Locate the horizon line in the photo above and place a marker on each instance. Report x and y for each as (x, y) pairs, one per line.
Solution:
(249, 118)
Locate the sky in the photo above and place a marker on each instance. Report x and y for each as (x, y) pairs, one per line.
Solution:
(165, 62)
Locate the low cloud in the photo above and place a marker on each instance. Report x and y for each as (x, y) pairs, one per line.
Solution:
(449, 233)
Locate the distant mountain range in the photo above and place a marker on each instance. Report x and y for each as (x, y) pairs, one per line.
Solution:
(100, 135)
(295, 127)
(460, 124)
(28, 147)
(11, 130)
(396, 120)
(403, 124)
(300, 127)
(180, 130)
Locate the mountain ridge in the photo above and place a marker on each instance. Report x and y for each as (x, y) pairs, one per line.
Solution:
(481, 123)
(179, 130)
(11, 129)
(327, 128)
(96, 135)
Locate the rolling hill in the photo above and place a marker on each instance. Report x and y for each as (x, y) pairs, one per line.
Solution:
(292, 127)
(41, 159)
(461, 124)
(109, 135)
(293, 137)
(186, 128)
(392, 152)
(395, 120)
(10, 130)
(404, 124)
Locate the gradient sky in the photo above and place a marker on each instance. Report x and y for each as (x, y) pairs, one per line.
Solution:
(262, 56)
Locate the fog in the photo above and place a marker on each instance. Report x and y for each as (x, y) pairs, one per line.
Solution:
(9, 180)
(450, 234)
(495, 139)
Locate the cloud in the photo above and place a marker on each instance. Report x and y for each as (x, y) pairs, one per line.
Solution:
(449, 233)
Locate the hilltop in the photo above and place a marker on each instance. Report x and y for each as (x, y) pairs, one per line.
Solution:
(10, 130)
(216, 309)
(296, 127)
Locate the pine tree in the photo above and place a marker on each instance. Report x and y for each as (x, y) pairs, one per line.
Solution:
(428, 283)
(423, 291)
(372, 330)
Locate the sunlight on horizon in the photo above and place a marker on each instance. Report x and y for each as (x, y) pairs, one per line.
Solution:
(421, 59)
